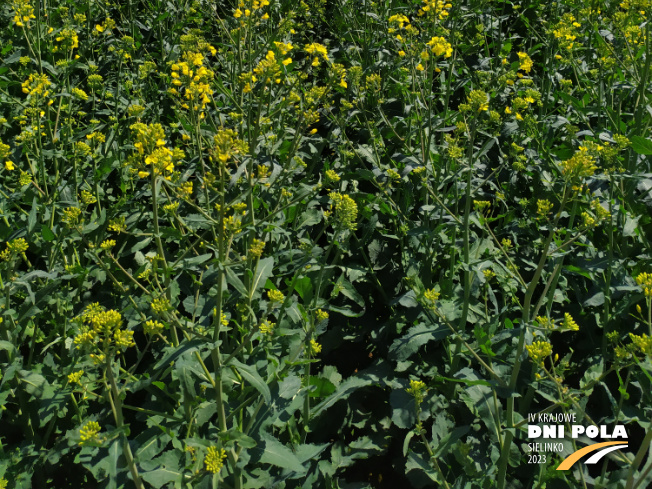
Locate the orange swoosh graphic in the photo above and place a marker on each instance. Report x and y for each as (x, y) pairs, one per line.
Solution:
(575, 456)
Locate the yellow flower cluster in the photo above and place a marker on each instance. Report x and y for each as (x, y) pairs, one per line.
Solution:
(107, 25)
(160, 305)
(433, 8)
(228, 144)
(214, 460)
(275, 296)
(79, 93)
(332, 176)
(257, 247)
(481, 205)
(14, 248)
(315, 348)
(117, 225)
(417, 390)
(580, 165)
(525, 62)
(476, 101)
(440, 47)
(321, 315)
(317, 50)
(431, 296)
(107, 244)
(644, 280)
(346, 210)
(267, 327)
(71, 216)
(194, 77)
(546, 322)
(88, 433)
(539, 350)
(37, 86)
(544, 206)
(153, 327)
(246, 8)
(566, 31)
(156, 156)
(75, 377)
(5, 151)
(268, 68)
(569, 323)
(23, 12)
(102, 329)
(284, 49)
(643, 343)
(68, 40)
(402, 24)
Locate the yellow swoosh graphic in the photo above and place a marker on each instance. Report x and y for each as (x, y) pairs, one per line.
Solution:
(575, 456)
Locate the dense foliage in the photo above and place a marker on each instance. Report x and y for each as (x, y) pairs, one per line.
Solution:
(322, 243)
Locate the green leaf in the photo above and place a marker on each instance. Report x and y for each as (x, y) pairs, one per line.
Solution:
(34, 383)
(343, 391)
(275, 453)
(323, 387)
(416, 337)
(289, 387)
(168, 469)
(47, 233)
(346, 288)
(307, 452)
(641, 145)
(263, 272)
(253, 377)
(234, 280)
(31, 220)
(174, 353)
(303, 287)
(403, 408)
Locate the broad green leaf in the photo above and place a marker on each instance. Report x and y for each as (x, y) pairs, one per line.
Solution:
(343, 391)
(174, 353)
(641, 145)
(289, 387)
(33, 383)
(275, 453)
(263, 272)
(253, 377)
(47, 233)
(417, 336)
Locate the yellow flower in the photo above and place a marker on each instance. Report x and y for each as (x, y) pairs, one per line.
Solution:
(267, 327)
(88, 433)
(9, 165)
(417, 390)
(275, 296)
(539, 350)
(153, 327)
(644, 280)
(214, 460)
(321, 315)
(315, 348)
(526, 62)
(569, 323)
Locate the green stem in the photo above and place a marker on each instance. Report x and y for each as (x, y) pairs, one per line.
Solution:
(116, 405)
